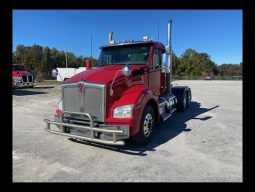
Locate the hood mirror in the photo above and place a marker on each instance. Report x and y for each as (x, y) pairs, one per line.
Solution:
(54, 73)
(126, 71)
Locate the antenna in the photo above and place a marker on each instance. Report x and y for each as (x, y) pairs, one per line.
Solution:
(91, 45)
(158, 32)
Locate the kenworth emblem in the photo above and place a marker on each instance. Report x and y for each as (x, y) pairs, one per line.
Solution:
(80, 86)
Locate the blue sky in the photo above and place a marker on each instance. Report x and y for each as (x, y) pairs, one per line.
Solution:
(217, 32)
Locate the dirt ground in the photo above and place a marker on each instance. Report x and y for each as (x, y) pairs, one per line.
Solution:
(203, 144)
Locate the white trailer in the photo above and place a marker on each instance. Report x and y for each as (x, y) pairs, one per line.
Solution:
(68, 72)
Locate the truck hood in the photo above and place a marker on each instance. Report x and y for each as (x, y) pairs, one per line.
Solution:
(103, 75)
(20, 73)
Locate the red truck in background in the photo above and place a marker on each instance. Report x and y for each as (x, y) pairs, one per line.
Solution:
(207, 77)
(123, 97)
(21, 77)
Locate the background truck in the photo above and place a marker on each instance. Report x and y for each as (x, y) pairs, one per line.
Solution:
(21, 77)
(123, 97)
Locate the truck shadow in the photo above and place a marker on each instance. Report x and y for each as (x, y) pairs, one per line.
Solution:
(163, 132)
(43, 87)
(23, 92)
(174, 126)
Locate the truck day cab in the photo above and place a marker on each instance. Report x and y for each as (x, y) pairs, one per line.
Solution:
(21, 77)
(123, 97)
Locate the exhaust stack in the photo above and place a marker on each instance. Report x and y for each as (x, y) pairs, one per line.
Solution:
(168, 68)
(110, 41)
(88, 64)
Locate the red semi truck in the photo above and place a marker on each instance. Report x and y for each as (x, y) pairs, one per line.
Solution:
(21, 77)
(123, 97)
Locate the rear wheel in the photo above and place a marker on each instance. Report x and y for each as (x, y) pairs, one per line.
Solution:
(146, 127)
(182, 102)
(188, 98)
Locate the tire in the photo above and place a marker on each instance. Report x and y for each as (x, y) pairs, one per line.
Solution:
(188, 97)
(146, 127)
(182, 102)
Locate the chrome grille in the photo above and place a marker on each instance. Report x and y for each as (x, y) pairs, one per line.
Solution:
(30, 78)
(84, 97)
(27, 78)
(24, 78)
(71, 98)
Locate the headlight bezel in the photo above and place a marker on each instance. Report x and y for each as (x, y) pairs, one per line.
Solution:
(60, 104)
(124, 111)
(17, 78)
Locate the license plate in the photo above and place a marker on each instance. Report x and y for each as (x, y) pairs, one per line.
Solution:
(80, 132)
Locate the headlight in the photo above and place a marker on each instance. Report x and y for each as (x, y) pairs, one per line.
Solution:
(60, 104)
(17, 78)
(123, 111)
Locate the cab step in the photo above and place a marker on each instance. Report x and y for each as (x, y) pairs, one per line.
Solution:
(167, 115)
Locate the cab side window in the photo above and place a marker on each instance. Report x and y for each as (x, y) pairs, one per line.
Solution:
(157, 58)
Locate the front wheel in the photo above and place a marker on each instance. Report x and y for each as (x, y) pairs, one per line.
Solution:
(146, 127)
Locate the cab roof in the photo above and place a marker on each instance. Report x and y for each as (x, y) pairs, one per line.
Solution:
(127, 43)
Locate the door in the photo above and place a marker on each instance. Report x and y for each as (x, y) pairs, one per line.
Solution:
(154, 71)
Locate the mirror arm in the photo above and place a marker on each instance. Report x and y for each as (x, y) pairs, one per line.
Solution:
(111, 91)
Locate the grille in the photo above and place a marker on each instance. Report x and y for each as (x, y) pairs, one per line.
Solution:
(84, 97)
(24, 78)
(27, 78)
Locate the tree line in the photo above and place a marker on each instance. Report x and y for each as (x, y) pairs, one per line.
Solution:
(193, 63)
(40, 60)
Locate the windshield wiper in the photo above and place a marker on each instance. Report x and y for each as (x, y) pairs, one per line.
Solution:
(103, 65)
(111, 64)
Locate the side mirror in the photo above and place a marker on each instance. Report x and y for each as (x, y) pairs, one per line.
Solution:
(54, 73)
(165, 62)
(126, 71)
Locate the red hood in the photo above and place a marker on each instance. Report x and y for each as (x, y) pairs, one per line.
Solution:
(19, 73)
(102, 75)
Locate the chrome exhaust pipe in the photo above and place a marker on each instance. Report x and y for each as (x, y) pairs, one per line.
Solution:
(168, 69)
(110, 37)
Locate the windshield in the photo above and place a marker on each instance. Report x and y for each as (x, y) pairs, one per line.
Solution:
(124, 55)
(18, 68)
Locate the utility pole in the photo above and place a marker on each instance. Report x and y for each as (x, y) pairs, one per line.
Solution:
(66, 59)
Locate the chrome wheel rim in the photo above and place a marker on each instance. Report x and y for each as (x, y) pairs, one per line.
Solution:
(147, 125)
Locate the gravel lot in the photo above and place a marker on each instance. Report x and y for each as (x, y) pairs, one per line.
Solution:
(204, 144)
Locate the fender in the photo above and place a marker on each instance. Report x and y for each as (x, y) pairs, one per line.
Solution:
(178, 90)
(138, 96)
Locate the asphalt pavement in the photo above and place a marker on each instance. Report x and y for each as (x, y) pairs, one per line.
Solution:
(203, 144)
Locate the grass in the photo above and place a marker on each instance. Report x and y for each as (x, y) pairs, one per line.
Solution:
(213, 77)
(49, 82)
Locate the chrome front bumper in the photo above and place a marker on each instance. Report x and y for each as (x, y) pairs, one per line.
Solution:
(24, 84)
(109, 134)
